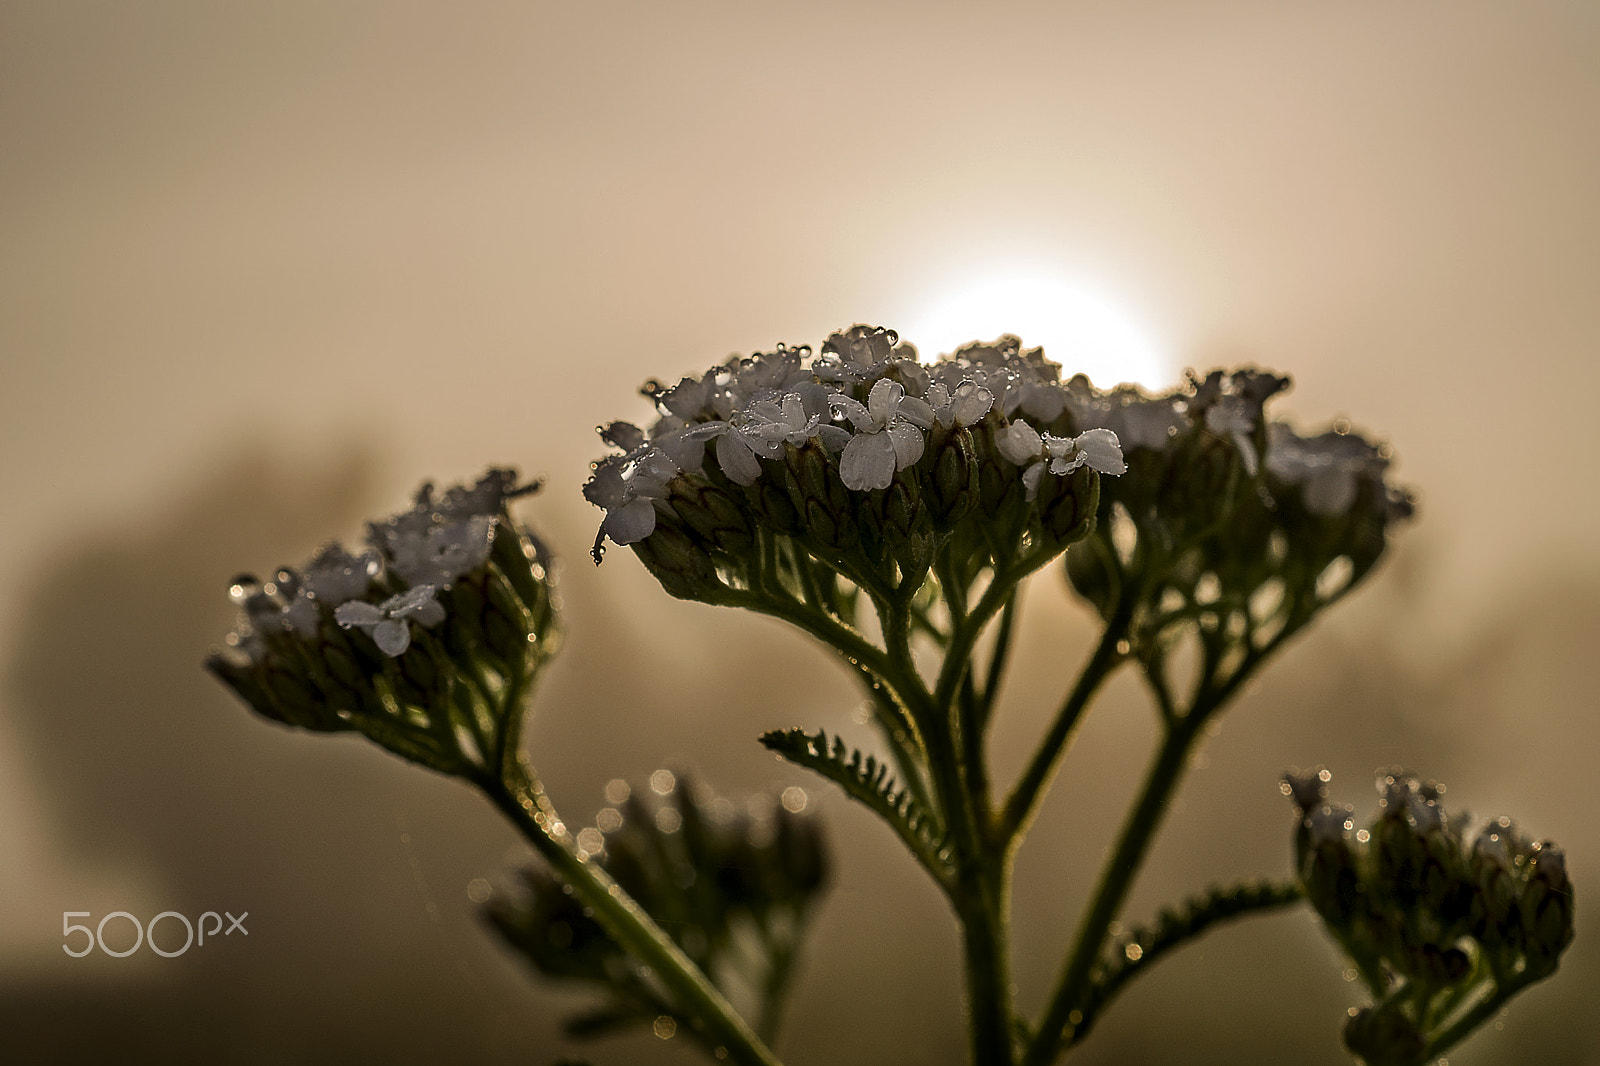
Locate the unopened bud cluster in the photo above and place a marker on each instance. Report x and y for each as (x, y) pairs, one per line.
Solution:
(1228, 520)
(447, 608)
(860, 455)
(733, 888)
(1421, 904)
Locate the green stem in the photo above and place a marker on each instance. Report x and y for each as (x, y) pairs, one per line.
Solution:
(981, 892)
(523, 801)
(1030, 788)
(999, 654)
(1479, 1013)
(1115, 880)
(871, 663)
(984, 916)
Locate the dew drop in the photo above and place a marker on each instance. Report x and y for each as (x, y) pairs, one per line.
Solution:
(242, 587)
(794, 799)
(665, 1027)
(1134, 952)
(662, 782)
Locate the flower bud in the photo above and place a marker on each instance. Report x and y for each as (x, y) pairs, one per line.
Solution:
(1384, 1036)
(1545, 909)
(713, 514)
(1493, 913)
(820, 497)
(1067, 505)
(951, 488)
(1329, 871)
(682, 566)
(899, 507)
(772, 506)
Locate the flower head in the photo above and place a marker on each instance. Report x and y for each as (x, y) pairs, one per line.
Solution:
(335, 645)
(859, 448)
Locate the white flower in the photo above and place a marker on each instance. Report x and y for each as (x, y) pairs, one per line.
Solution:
(1019, 442)
(1235, 417)
(772, 422)
(487, 496)
(1023, 445)
(691, 398)
(1098, 448)
(792, 417)
(1329, 824)
(440, 553)
(888, 435)
(335, 575)
(387, 622)
(736, 455)
(1138, 420)
(1328, 468)
(964, 405)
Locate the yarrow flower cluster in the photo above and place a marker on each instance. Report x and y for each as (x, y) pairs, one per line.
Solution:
(860, 442)
(1434, 917)
(444, 595)
(1227, 520)
(815, 487)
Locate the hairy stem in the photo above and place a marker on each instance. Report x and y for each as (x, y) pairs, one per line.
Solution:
(521, 799)
(1115, 880)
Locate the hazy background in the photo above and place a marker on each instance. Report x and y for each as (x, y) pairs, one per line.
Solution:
(264, 267)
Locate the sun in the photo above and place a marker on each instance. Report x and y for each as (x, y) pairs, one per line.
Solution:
(1082, 332)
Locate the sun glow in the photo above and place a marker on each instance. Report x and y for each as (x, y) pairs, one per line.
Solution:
(1080, 331)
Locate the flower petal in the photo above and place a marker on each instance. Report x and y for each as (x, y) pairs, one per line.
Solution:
(736, 458)
(392, 637)
(357, 613)
(970, 403)
(908, 443)
(867, 462)
(883, 402)
(1102, 450)
(1019, 442)
(1030, 478)
(632, 523)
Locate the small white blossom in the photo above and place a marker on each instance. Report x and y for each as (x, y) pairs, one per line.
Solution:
(1329, 824)
(1138, 420)
(736, 455)
(888, 435)
(1329, 468)
(335, 575)
(1023, 445)
(388, 623)
(963, 406)
(439, 554)
(1235, 418)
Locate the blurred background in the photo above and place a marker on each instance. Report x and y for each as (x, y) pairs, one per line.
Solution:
(265, 267)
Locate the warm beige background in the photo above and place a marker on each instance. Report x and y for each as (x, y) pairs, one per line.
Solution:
(265, 266)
